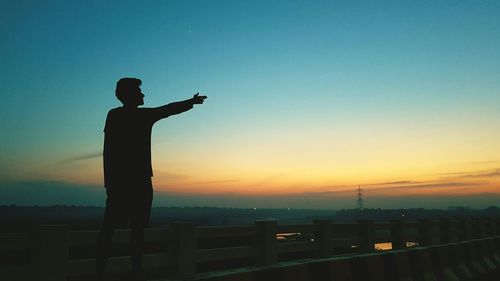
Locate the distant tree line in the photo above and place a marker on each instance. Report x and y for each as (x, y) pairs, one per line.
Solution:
(23, 218)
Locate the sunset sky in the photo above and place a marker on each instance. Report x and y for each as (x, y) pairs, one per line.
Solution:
(306, 99)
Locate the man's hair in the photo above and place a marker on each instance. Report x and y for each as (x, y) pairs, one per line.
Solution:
(124, 86)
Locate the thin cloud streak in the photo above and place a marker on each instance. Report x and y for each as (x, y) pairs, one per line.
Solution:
(439, 185)
(401, 187)
(83, 157)
(474, 174)
(489, 174)
(393, 183)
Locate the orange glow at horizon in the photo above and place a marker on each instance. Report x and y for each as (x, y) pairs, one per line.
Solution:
(384, 163)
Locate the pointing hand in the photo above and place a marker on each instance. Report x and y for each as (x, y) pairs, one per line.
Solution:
(197, 99)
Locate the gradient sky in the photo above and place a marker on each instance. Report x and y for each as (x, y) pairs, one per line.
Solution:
(307, 99)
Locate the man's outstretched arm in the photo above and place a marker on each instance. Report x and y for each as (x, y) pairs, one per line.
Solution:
(177, 107)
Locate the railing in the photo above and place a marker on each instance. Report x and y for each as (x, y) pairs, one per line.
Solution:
(183, 250)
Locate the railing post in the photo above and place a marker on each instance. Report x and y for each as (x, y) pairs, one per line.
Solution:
(444, 231)
(184, 248)
(324, 238)
(496, 226)
(488, 227)
(397, 234)
(365, 236)
(478, 228)
(51, 250)
(474, 228)
(424, 232)
(464, 230)
(266, 242)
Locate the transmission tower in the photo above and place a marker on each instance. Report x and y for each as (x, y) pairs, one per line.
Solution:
(360, 201)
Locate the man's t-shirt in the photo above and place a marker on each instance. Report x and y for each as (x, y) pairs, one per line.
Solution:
(127, 141)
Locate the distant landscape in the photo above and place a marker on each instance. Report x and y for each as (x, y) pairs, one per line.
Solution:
(23, 218)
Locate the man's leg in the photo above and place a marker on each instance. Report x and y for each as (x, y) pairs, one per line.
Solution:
(136, 248)
(112, 219)
(104, 242)
(138, 220)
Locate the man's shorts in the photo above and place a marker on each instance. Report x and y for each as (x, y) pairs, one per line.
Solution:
(128, 203)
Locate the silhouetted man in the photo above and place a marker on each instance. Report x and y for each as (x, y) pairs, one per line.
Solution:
(127, 169)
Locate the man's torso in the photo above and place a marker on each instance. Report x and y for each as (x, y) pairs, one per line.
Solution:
(127, 145)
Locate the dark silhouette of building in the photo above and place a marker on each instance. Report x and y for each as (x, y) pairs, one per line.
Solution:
(128, 170)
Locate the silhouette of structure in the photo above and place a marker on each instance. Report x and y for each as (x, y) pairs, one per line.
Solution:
(460, 248)
(359, 198)
(128, 170)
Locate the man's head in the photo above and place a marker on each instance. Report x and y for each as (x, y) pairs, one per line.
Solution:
(128, 91)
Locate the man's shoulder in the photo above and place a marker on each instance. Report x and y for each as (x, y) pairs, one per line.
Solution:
(115, 110)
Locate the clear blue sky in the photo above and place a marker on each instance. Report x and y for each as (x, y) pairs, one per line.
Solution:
(327, 87)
